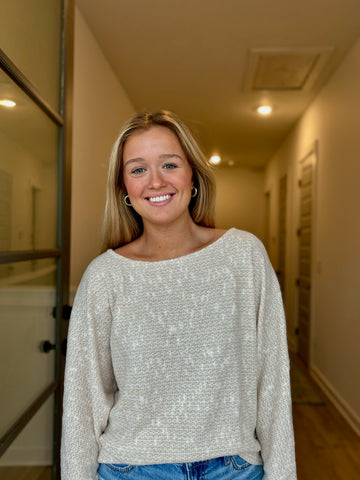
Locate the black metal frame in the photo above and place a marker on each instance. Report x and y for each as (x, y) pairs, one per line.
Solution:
(23, 256)
(62, 253)
(64, 221)
(17, 76)
(7, 439)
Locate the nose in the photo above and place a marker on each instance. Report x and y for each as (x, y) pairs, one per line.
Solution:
(156, 179)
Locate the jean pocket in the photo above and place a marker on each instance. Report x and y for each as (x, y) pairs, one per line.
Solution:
(109, 471)
(239, 463)
(250, 471)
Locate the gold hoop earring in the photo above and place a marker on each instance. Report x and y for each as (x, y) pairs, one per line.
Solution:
(126, 200)
(194, 192)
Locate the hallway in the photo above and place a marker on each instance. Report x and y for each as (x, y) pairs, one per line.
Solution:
(77, 54)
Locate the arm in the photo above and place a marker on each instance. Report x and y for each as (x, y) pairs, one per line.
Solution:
(274, 418)
(89, 379)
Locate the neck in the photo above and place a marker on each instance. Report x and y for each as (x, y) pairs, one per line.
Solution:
(169, 241)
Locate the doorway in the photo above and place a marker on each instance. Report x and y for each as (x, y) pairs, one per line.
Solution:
(282, 233)
(305, 235)
(35, 146)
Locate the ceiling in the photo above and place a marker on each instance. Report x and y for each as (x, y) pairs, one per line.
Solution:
(198, 58)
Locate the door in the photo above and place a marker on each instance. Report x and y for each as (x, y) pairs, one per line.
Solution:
(267, 221)
(35, 141)
(305, 235)
(282, 232)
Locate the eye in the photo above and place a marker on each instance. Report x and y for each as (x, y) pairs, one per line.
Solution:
(170, 166)
(138, 170)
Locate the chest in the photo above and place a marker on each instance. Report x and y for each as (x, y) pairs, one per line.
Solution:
(180, 310)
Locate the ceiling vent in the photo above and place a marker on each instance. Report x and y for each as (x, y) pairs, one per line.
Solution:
(284, 69)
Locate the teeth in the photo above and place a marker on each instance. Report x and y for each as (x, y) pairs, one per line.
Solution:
(159, 199)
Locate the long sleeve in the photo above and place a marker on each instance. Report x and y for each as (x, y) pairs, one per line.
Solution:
(274, 419)
(89, 379)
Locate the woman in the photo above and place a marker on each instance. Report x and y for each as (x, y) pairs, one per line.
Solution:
(177, 363)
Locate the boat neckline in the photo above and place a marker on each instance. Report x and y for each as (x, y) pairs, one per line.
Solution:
(112, 252)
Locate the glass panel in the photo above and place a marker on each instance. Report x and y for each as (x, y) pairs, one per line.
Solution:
(27, 298)
(30, 35)
(28, 173)
(32, 447)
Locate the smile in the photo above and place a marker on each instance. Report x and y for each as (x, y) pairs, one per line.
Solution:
(161, 198)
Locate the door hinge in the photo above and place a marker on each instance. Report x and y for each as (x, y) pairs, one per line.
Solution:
(66, 312)
(297, 282)
(299, 183)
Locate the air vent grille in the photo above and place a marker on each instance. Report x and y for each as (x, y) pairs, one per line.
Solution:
(276, 69)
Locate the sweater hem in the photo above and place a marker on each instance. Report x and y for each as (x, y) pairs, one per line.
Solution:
(186, 457)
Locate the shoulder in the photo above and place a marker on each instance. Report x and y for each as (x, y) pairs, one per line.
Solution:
(98, 269)
(243, 239)
(240, 244)
(100, 263)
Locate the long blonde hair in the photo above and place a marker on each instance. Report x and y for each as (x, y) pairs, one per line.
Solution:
(121, 223)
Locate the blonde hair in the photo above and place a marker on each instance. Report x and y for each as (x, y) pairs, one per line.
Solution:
(121, 223)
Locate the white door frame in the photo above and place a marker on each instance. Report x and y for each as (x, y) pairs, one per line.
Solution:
(313, 150)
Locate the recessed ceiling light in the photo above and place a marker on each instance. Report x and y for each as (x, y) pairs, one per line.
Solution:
(264, 109)
(215, 159)
(7, 103)
(231, 163)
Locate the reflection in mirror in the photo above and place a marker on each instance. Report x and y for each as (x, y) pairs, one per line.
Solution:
(36, 438)
(27, 298)
(33, 41)
(28, 172)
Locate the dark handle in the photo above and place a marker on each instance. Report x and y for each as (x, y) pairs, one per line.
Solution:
(47, 346)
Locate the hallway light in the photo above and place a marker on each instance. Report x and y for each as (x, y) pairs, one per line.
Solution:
(215, 159)
(7, 103)
(264, 109)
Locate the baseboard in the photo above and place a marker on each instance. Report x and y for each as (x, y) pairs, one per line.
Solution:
(339, 403)
(14, 457)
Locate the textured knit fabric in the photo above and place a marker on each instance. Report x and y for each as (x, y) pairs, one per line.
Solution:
(179, 360)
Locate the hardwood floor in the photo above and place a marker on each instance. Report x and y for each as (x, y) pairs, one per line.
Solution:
(326, 446)
(25, 473)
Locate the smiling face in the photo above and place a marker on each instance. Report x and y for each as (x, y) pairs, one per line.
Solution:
(157, 176)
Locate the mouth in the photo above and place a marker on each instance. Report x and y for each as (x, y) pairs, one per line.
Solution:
(159, 198)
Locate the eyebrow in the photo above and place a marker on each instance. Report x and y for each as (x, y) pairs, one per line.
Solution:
(162, 156)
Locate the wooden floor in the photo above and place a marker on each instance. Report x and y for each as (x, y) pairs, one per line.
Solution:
(25, 473)
(327, 448)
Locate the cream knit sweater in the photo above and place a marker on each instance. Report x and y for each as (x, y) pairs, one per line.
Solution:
(177, 361)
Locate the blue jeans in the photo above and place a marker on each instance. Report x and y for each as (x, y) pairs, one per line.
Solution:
(225, 468)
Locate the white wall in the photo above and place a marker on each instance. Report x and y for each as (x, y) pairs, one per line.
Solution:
(240, 199)
(332, 121)
(23, 377)
(101, 106)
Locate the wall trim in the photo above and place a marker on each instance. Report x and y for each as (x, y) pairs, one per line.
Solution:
(336, 399)
(312, 150)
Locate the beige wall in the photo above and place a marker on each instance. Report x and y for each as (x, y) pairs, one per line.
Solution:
(332, 122)
(240, 200)
(100, 108)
